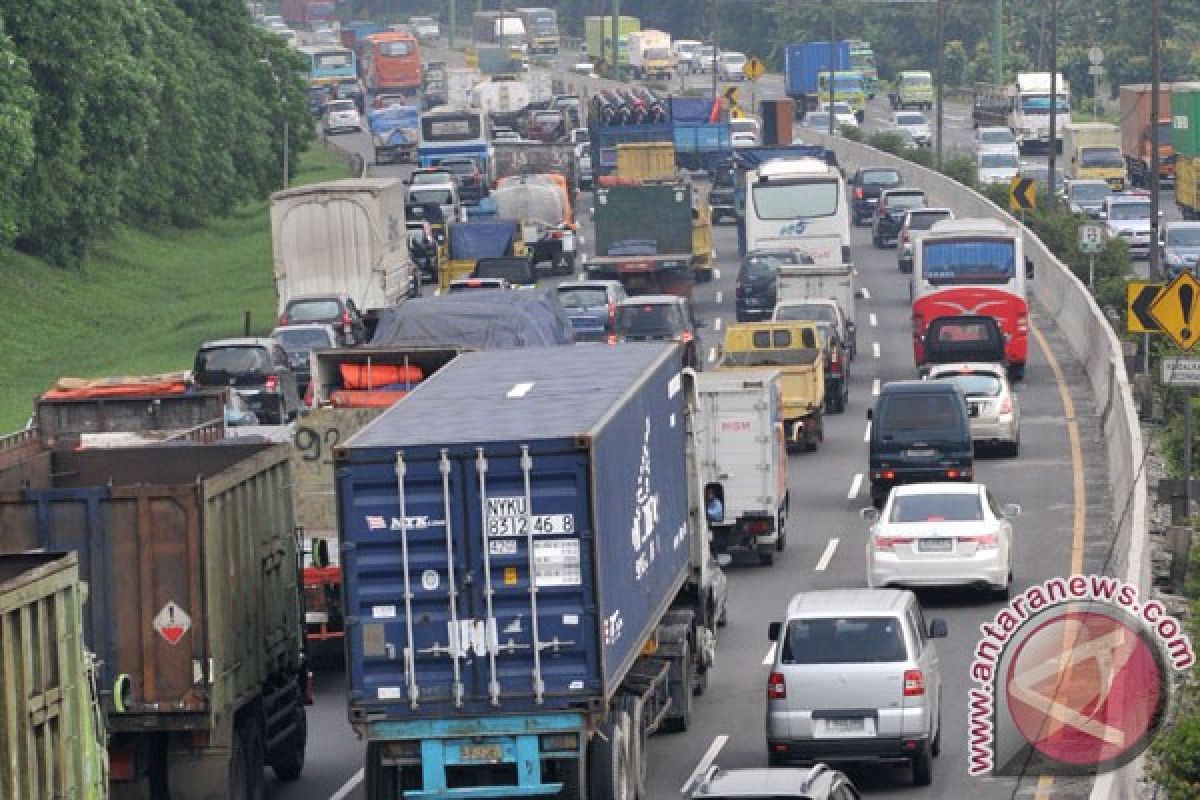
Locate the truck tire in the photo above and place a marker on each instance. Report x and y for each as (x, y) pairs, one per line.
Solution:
(922, 767)
(608, 764)
(256, 783)
(289, 766)
(382, 783)
(633, 707)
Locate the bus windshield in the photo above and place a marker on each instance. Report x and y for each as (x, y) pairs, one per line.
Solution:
(795, 200)
(968, 261)
(451, 128)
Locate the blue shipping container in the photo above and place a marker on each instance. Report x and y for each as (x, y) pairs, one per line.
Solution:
(803, 62)
(566, 463)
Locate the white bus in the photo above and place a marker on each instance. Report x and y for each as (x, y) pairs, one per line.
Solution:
(798, 204)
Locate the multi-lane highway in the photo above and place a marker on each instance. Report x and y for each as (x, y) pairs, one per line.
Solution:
(1058, 532)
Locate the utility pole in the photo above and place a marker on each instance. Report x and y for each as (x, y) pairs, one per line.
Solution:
(832, 59)
(1052, 144)
(716, 31)
(452, 22)
(1155, 87)
(997, 42)
(615, 71)
(941, 56)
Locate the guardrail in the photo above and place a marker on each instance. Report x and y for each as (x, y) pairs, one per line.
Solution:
(1094, 343)
(353, 161)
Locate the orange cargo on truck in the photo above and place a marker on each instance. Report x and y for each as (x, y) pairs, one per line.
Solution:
(392, 63)
(1136, 133)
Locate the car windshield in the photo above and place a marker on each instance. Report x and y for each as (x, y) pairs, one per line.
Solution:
(844, 640)
(881, 177)
(341, 105)
(807, 312)
(955, 507)
(999, 136)
(649, 319)
(1128, 211)
(974, 384)
(910, 119)
(582, 297)
(817, 119)
(296, 340)
(314, 311)
(914, 200)
(923, 222)
(1102, 157)
(918, 413)
(733, 58)
(759, 268)
(1183, 237)
(246, 360)
(998, 161)
(793, 201)
(1089, 192)
(916, 80)
(440, 197)
(426, 178)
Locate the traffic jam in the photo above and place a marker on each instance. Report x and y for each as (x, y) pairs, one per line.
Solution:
(612, 442)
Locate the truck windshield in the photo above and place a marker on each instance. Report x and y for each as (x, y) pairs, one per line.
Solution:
(1127, 211)
(1183, 237)
(916, 80)
(1040, 104)
(658, 54)
(1090, 192)
(395, 49)
(844, 640)
(998, 161)
(1101, 157)
(968, 261)
(796, 200)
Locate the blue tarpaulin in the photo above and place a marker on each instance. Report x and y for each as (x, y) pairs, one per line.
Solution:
(383, 120)
(693, 109)
(479, 320)
(482, 239)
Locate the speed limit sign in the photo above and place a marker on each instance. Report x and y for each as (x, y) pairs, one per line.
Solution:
(1091, 238)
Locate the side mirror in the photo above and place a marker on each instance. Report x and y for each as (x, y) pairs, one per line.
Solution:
(869, 514)
(1028, 269)
(773, 631)
(938, 629)
(1012, 510)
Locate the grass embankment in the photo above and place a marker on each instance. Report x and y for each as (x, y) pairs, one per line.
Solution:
(140, 304)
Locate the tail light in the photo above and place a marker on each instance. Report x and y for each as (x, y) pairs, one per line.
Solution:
(272, 383)
(918, 323)
(1023, 324)
(309, 394)
(283, 319)
(685, 337)
(1006, 405)
(883, 475)
(914, 683)
(612, 315)
(904, 237)
(738, 292)
(858, 193)
(835, 363)
(888, 543)
(776, 687)
(612, 338)
(756, 527)
(985, 541)
(952, 474)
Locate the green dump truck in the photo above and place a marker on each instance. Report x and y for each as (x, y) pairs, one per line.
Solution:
(53, 735)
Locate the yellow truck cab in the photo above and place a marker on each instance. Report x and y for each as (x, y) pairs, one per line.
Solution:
(914, 89)
(1093, 152)
(849, 87)
(792, 348)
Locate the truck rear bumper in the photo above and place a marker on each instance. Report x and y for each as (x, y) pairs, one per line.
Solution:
(512, 748)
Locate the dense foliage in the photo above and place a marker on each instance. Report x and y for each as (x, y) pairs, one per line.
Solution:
(138, 111)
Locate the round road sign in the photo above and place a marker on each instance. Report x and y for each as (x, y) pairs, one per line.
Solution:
(1095, 55)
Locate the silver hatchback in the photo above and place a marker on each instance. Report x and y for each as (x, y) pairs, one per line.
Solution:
(855, 677)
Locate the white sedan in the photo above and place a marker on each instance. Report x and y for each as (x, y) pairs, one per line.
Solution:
(342, 116)
(843, 114)
(941, 534)
(992, 406)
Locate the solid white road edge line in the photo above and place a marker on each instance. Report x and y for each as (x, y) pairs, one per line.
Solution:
(855, 485)
(348, 787)
(769, 658)
(875, 388)
(875, 349)
(827, 556)
(713, 751)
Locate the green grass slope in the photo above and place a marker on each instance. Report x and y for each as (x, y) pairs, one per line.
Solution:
(140, 304)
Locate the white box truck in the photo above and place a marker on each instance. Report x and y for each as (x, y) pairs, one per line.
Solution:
(343, 237)
(1029, 118)
(742, 460)
(650, 55)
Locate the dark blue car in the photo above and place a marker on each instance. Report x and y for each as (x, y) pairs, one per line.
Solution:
(592, 307)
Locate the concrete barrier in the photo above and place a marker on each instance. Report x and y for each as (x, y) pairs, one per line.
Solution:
(1093, 342)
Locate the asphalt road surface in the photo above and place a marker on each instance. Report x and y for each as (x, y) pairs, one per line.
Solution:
(1058, 532)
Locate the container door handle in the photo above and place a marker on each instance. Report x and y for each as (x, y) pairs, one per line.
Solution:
(410, 655)
(481, 467)
(539, 686)
(451, 581)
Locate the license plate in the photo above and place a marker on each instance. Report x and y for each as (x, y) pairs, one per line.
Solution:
(848, 727)
(481, 752)
(939, 545)
(920, 453)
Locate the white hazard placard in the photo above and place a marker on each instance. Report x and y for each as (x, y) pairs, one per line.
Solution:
(172, 622)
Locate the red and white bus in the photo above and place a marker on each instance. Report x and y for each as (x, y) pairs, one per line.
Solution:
(972, 266)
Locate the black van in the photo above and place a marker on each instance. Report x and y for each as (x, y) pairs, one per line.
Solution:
(919, 433)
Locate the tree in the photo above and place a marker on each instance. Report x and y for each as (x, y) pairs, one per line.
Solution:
(16, 136)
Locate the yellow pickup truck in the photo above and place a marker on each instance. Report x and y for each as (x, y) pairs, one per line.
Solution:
(794, 349)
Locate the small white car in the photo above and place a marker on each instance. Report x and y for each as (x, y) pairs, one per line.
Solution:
(996, 166)
(843, 114)
(993, 410)
(341, 116)
(1127, 216)
(730, 65)
(941, 534)
(917, 126)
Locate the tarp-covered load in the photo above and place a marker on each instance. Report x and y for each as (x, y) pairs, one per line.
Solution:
(541, 203)
(383, 121)
(478, 320)
(752, 157)
(482, 239)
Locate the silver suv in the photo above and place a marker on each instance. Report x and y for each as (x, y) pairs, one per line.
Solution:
(818, 782)
(855, 678)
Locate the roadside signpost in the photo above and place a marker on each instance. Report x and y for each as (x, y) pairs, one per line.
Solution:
(1091, 242)
(1177, 310)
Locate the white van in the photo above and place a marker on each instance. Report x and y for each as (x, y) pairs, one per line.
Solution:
(798, 204)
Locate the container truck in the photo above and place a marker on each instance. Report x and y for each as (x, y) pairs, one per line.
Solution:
(1187, 186)
(643, 237)
(503, 28)
(308, 14)
(701, 132)
(743, 459)
(598, 40)
(541, 30)
(53, 742)
(1029, 117)
(1137, 133)
(650, 55)
(802, 66)
(1093, 152)
(194, 607)
(1185, 141)
(343, 237)
(544, 607)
